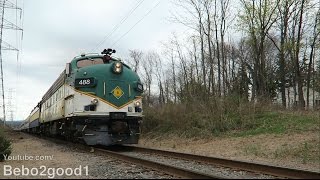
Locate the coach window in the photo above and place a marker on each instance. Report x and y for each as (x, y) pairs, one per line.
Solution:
(89, 62)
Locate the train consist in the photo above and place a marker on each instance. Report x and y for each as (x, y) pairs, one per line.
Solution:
(97, 98)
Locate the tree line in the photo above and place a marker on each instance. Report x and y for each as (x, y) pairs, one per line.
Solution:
(249, 49)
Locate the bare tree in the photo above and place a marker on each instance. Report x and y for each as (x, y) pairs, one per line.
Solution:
(257, 19)
(301, 102)
(136, 56)
(314, 38)
(285, 10)
(148, 70)
(196, 10)
(160, 76)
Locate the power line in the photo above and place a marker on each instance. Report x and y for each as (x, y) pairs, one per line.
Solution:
(9, 106)
(18, 45)
(136, 23)
(9, 5)
(2, 84)
(5, 24)
(119, 24)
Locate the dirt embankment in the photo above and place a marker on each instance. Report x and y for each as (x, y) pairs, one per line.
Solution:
(291, 150)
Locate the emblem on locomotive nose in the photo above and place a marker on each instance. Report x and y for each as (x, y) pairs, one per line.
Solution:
(117, 92)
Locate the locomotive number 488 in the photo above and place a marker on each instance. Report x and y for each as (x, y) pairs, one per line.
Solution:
(85, 82)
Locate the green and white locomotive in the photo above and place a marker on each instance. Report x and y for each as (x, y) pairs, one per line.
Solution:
(97, 98)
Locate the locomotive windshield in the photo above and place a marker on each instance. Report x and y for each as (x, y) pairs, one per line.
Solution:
(89, 62)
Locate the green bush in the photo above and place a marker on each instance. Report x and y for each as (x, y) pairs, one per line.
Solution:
(5, 147)
(196, 118)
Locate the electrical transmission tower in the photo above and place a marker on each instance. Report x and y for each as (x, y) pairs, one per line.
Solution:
(9, 106)
(5, 24)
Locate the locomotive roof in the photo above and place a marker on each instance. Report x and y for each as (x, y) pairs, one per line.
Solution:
(96, 55)
(61, 79)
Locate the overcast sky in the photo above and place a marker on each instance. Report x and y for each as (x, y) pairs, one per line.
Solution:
(54, 31)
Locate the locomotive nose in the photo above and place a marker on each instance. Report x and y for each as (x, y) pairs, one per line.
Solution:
(101, 78)
(114, 84)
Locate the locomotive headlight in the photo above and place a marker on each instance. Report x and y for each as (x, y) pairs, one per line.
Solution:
(94, 101)
(118, 65)
(137, 104)
(117, 68)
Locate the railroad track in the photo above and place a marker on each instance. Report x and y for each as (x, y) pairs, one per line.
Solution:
(125, 153)
(276, 171)
(166, 169)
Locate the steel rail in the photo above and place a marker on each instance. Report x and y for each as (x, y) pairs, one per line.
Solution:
(184, 173)
(167, 169)
(242, 165)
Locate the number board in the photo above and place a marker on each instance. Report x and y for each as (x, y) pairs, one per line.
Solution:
(139, 87)
(85, 82)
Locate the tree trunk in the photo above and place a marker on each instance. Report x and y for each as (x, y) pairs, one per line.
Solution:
(298, 72)
(312, 46)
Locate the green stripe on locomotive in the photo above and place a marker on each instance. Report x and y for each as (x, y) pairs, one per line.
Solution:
(109, 85)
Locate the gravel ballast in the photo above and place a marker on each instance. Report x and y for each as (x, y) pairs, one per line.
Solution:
(48, 157)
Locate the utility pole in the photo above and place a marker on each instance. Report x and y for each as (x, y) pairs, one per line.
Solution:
(5, 24)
